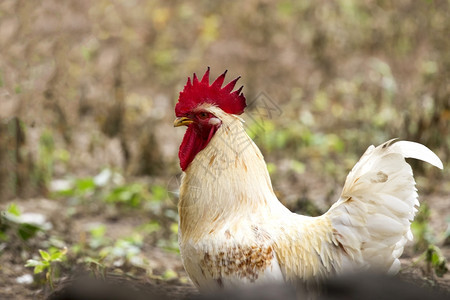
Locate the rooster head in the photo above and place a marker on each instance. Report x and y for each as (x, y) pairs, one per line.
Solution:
(194, 110)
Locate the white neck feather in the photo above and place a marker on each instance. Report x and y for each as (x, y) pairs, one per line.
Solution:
(227, 179)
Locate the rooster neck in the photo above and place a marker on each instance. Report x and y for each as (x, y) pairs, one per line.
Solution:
(227, 181)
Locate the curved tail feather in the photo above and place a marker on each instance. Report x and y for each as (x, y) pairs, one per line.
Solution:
(372, 218)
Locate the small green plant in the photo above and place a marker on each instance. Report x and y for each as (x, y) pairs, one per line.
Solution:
(130, 194)
(97, 237)
(137, 195)
(158, 192)
(421, 229)
(425, 241)
(96, 266)
(169, 274)
(13, 222)
(150, 227)
(125, 250)
(99, 252)
(170, 244)
(436, 261)
(46, 263)
(86, 188)
(78, 188)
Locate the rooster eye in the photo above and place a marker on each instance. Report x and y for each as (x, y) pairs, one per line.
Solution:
(203, 115)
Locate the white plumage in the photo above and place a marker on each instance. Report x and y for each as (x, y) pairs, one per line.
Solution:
(234, 231)
(378, 203)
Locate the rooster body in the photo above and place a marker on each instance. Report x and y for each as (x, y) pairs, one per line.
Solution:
(234, 231)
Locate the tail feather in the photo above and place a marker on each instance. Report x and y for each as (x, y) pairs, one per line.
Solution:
(373, 215)
(417, 151)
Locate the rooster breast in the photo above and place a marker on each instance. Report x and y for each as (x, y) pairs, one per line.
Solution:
(232, 257)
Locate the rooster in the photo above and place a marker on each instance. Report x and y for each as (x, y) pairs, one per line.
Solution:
(233, 231)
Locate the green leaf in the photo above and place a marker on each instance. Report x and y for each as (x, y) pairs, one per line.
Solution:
(438, 261)
(40, 268)
(98, 231)
(90, 260)
(56, 256)
(271, 168)
(434, 258)
(65, 193)
(85, 184)
(158, 192)
(441, 268)
(150, 227)
(13, 209)
(169, 274)
(128, 194)
(27, 231)
(45, 255)
(32, 263)
(3, 236)
(174, 228)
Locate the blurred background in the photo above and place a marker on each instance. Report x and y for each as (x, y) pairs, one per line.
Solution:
(88, 153)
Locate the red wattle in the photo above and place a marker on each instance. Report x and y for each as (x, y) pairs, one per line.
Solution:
(194, 141)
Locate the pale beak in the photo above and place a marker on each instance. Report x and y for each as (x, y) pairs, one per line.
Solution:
(182, 121)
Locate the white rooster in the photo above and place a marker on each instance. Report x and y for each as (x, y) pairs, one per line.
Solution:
(233, 231)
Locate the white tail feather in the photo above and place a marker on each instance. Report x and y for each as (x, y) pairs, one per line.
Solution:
(373, 216)
(417, 151)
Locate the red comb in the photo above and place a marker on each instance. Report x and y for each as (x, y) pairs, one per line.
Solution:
(198, 92)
